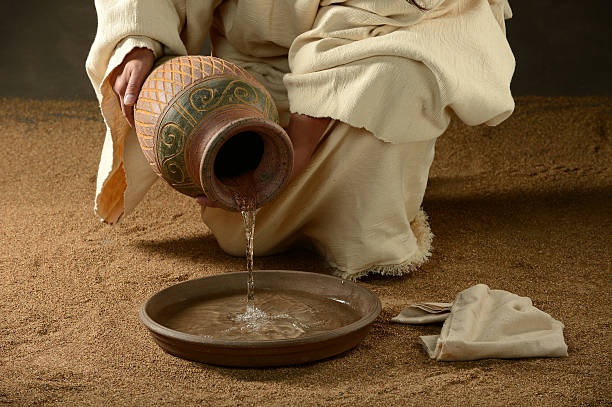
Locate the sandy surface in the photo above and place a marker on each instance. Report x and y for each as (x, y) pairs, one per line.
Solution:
(523, 207)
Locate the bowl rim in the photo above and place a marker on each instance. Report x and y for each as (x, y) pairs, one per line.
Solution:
(211, 342)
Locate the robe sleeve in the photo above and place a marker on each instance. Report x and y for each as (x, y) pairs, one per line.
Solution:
(396, 69)
(167, 27)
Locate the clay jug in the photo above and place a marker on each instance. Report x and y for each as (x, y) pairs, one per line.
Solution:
(204, 123)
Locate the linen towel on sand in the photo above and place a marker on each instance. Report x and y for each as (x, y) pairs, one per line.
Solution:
(388, 67)
(484, 323)
(424, 313)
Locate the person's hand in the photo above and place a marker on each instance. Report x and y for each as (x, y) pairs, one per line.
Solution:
(204, 201)
(128, 77)
(305, 133)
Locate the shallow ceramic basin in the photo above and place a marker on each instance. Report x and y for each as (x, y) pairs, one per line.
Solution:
(259, 353)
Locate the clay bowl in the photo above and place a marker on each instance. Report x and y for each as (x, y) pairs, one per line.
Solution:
(260, 353)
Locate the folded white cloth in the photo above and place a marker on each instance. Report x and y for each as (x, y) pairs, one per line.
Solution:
(424, 313)
(484, 323)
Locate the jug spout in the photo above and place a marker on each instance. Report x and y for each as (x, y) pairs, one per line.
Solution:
(241, 154)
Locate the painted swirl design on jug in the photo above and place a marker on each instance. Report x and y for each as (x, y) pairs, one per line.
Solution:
(178, 96)
(189, 110)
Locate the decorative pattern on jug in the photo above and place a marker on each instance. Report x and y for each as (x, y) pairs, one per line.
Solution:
(182, 94)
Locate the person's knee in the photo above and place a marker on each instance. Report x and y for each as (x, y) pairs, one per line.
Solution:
(232, 247)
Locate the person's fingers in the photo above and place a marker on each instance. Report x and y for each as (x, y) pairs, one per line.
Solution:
(204, 201)
(119, 83)
(129, 97)
(128, 78)
(138, 73)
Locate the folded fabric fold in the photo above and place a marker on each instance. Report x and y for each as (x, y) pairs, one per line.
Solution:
(424, 313)
(484, 323)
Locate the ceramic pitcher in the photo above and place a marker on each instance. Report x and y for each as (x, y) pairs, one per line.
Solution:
(202, 122)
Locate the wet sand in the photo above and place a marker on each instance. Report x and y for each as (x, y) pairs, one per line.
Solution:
(524, 207)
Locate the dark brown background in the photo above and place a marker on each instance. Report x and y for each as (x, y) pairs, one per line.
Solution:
(561, 48)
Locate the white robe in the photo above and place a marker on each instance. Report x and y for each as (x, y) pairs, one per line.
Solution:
(385, 67)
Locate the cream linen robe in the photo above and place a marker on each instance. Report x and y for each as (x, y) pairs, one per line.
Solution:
(386, 71)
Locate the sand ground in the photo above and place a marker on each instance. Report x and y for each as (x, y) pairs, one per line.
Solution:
(523, 207)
